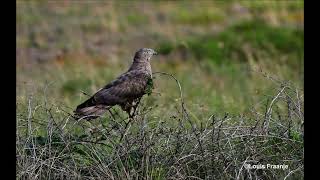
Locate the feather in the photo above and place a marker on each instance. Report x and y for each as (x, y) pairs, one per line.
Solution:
(122, 91)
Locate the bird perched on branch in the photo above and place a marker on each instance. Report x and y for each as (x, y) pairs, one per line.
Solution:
(125, 91)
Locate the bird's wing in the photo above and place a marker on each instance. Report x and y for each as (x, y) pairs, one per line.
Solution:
(128, 86)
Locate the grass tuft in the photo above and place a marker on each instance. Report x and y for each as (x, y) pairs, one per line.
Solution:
(217, 147)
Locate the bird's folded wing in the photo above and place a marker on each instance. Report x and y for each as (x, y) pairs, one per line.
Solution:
(128, 86)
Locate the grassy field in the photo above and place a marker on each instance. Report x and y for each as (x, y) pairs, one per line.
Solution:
(241, 70)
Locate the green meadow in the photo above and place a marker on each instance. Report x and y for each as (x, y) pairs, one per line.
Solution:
(244, 59)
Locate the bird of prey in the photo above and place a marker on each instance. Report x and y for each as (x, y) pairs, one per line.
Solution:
(125, 91)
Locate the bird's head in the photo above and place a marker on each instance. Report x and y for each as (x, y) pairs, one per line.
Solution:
(144, 54)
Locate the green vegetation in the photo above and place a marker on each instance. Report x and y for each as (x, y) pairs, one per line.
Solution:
(197, 18)
(224, 47)
(229, 57)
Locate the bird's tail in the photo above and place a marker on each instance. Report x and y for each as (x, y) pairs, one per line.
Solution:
(90, 112)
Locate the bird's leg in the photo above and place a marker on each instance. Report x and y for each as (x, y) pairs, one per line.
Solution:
(127, 124)
(131, 112)
(127, 108)
(135, 106)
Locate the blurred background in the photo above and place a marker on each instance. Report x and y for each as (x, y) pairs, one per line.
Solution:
(216, 49)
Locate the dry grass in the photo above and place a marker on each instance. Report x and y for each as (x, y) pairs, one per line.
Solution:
(54, 146)
(181, 130)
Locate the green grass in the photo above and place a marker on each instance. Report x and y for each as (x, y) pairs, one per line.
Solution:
(213, 67)
(201, 17)
(137, 20)
(214, 51)
(227, 46)
(159, 148)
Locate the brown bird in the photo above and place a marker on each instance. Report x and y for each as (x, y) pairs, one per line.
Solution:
(125, 91)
